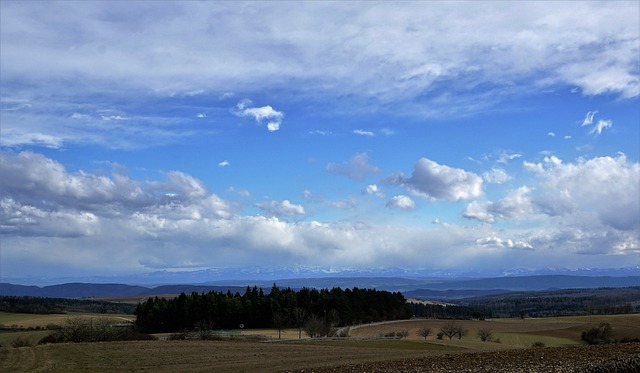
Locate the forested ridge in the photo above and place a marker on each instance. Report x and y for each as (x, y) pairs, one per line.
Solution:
(256, 309)
(44, 305)
(597, 301)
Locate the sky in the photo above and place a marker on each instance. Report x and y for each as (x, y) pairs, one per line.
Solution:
(176, 136)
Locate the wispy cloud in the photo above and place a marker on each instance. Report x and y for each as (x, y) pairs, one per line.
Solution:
(588, 119)
(364, 133)
(601, 125)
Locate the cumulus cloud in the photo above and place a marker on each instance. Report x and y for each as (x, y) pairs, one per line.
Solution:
(37, 182)
(373, 189)
(265, 113)
(517, 204)
(478, 211)
(224, 163)
(440, 182)
(357, 168)
(496, 176)
(281, 208)
(498, 242)
(606, 186)
(60, 219)
(401, 202)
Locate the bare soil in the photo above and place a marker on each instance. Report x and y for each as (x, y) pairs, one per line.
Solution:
(620, 358)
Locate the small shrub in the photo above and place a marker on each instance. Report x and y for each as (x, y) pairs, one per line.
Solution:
(598, 335)
(485, 334)
(402, 334)
(498, 340)
(440, 335)
(21, 342)
(50, 338)
(538, 344)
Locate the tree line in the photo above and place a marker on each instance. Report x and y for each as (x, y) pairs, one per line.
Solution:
(41, 305)
(277, 308)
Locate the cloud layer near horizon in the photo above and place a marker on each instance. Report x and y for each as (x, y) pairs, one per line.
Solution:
(178, 223)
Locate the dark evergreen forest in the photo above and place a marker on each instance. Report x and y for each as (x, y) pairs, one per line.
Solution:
(255, 309)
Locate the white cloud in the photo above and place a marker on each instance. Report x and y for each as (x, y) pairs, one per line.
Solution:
(357, 168)
(496, 176)
(245, 109)
(478, 211)
(364, 133)
(588, 119)
(36, 181)
(282, 208)
(493, 241)
(224, 163)
(516, 205)
(606, 186)
(602, 124)
(551, 134)
(59, 220)
(505, 157)
(389, 54)
(320, 132)
(373, 189)
(401, 202)
(599, 126)
(434, 181)
(273, 126)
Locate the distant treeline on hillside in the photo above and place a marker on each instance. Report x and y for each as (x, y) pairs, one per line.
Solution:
(255, 309)
(599, 301)
(61, 305)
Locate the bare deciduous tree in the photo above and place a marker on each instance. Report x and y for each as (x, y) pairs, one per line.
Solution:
(280, 320)
(299, 317)
(453, 329)
(204, 329)
(424, 332)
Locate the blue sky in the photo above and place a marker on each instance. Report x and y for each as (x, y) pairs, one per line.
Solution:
(145, 136)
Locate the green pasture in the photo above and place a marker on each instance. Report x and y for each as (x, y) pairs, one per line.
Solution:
(33, 336)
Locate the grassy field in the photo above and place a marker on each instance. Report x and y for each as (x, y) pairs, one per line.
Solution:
(240, 355)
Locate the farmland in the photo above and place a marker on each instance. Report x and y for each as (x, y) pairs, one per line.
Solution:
(362, 352)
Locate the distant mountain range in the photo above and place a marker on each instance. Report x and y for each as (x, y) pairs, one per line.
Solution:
(423, 288)
(245, 275)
